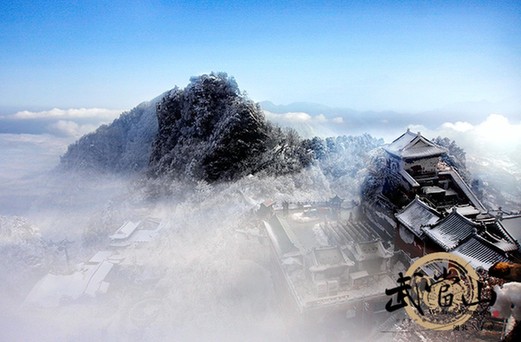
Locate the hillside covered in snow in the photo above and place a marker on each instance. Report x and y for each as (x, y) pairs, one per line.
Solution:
(207, 131)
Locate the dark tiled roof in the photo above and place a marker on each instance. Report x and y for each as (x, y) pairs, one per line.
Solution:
(344, 233)
(512, 225)
(279, 237)
(479, 252)
(411, 145)
(417, 214)
(465, 188)
(451, 230)
(495, 234)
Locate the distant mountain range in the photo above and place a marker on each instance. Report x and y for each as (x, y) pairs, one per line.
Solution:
(327, 121)
(305, 107)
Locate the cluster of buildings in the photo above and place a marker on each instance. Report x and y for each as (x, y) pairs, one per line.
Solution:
(334, 258)
(437, 211)
(93, 277)
(329, 261)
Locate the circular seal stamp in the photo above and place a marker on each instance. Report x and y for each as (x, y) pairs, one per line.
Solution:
(443, 291)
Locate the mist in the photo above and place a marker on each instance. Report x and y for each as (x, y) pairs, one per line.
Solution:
(206, 275)
(206, 272)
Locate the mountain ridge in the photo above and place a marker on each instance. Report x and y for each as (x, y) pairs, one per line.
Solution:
(208, 131)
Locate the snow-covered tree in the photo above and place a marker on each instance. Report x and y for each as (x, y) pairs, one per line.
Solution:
(211, 131)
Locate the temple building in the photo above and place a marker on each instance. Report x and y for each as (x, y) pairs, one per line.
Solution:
(435, 208)
(327, 264)
(414, 158)
(339, 259)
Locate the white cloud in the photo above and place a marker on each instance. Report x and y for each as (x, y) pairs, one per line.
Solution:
(308, 126)
(458, 126)
(71, 113)
(29, 154)
(496, 134)
(69, 128)
(300, 117)
(497, 128)
(320, 118)
(296, 117)
(72, 122)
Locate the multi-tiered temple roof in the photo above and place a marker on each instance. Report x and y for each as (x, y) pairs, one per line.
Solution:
(413, 146)
(444, 213)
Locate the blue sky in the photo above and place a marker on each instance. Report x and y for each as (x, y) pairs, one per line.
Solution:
(402, 56)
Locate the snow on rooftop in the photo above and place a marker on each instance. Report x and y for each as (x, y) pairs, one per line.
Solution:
(433, 189)
(97, 279)
(512, 225)
(465, 188)
(100, 256)
(53, 289)
(506, 245)
(301, 229)
(125, 231)
(143, 236)
(467, 210)
(478, 253)
(411, 145)
(416, 215)
(402, 141)
(451, 230)
(279, 238)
